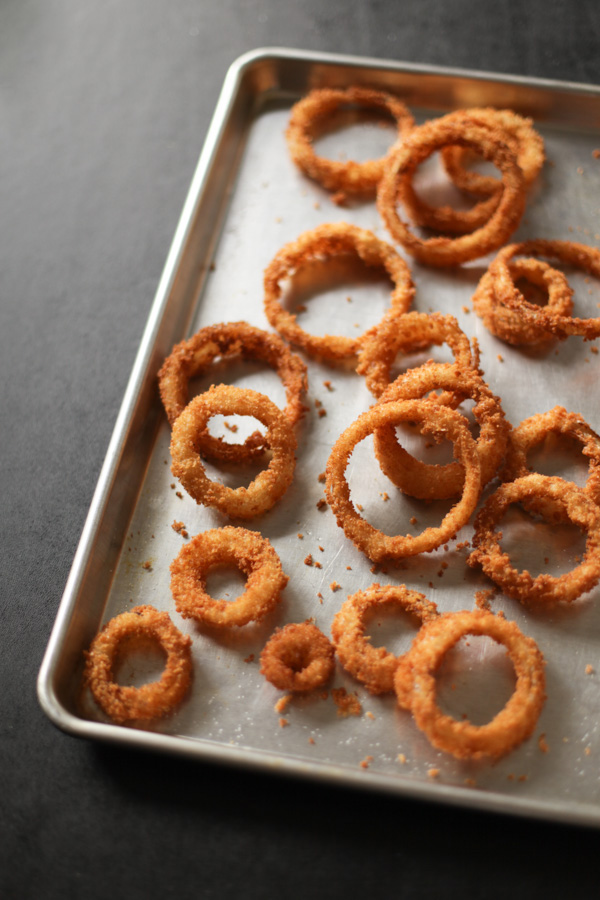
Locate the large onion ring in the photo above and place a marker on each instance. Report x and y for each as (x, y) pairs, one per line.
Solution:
(418, 146)
(248, 551)
(125, 703)
(431, 482)
(436, 420)
(519, 135)
(507, 324)
(544, 590)
(407, 334)
(298, 657)
(229, 340)
(316, 109)
(373, 666)
(568, 252)
(268, 486)
(415, 685)
(323, 242)
(536, 428)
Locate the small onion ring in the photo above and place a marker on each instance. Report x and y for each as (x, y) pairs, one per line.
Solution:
(408, 334)
(420, 144)
(248, 551)
(415, 685)
(229, 340)
(268, 486)
(438, 421)
(568, 252)
(316, 108)
(507, 324)
(326, 241)
(544, 590)
(518, 134)
(532, 432)
(434, 482)
(125, 703)
(298, 657)
(373, 666)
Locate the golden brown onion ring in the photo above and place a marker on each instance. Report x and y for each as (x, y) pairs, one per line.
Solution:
(124, 703)
(408, 334)
(439, 421)
(545, 590)
(415, 684)
(311, 113)
(268, 486)
(324, 242)
(230, 340)
(298, 657)
(507, 324)
(568, 252)
(434, 482)
(249, 552)
(373, 666)
(418, 146)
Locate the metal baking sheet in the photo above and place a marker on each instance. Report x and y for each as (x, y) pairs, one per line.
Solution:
(246, 200)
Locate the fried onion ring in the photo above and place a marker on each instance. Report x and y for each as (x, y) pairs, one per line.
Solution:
(314, 111)
(298, 657)
(415, 685)
(268, 486)
(544, 590)
(418, 146)
(125, 703)
(507, 324)
(568, 252)
(431, 482)
(436, 420)
(324, 242)
(373, 666)
(407, 334)
(230, 340)
(558, 421)
(519, 135)
(248, 551)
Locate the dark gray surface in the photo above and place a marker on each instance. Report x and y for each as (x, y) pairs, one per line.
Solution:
(103, 111)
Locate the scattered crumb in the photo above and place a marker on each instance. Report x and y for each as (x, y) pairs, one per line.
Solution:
(347, 704)
(322, 549)
(320, 596)
(322, 503)
(283, 703)
(587, 750)
(593, 349)
(359, 507)
(334, 586)
(596, 154)
(349, 299)
(318, 565)
(384, 496)
(339, 198)
(522, 777)
(250, 658)
(318, 403)
(300, 536)
(328, 385)
(466, 310)
(484, 598)
(311, 740)
(308, 560)
(179, 494)
(589, 669)
(322, 412)
(579, 170)
(369, 715)
(317, 205)
(510, 777)
(463, 545)
(543, 743)
(470, 782)
(283, 722)
(301, 308)
(349, 568)
(147, 564)
(366, 762)
(322, 477)
(229, 427)
(401, 758)
(433, 773)
(413, 520)
(172, 486)
(500, 358)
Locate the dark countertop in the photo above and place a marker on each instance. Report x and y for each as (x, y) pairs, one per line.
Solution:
(103, 112)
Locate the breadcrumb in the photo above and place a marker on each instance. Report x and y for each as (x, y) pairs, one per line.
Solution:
(249, 658)
(401, 758)
(347, 704)
(366, 762)
(433, 773)
(308, 560)
(322, 503)
(283, 722)
(589, 669)
(283, 703)
(543, 743)
(334, 586)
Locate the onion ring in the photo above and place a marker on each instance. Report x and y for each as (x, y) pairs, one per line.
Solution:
(430, 482)
(415, 685)
(518, 134)
(248, 551)
(268, 486)
(578, 255)
(298, 657)
(544, 590)
(438, 421)
(407, 334)
(315, 109)
(229, 340)
(125, 703)
(507, 324)
(326, 241)
(420, 144)
(373, 666)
